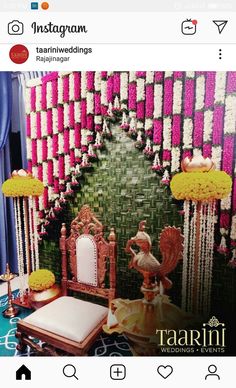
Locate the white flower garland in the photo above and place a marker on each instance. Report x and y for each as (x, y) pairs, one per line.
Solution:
(225, 203)
(55, 168)
(33, 125)
(45, 173)
(230, 115)
(19, 256)
(49, 94)
(43, 123)
(140, 89)
(38, 104)
(132, 76)
(71, 87)
(27, 101)
(216, 156)
(83, 84)
(60, 143)
(148, 124)
(72, 138)
(233, 228)
(35, 221)
(55, 120)
(84, 137)
(167, 133)
(97, 81)
(66, 115)
(220, 83)
(77, 111)
(149, 77)
(175, 159)
(168, 74)
(200, 92)
(67, 165)
(188, 132)
(39, 151)
(207, 130)
(29, 148)
(104, 92)
(190, 74)
(49, 147)
(124, 89)
(158, 100)
(60, 90)
(177, 96)
(90, 103)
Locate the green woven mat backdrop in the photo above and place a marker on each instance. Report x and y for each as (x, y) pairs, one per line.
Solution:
(122, 190)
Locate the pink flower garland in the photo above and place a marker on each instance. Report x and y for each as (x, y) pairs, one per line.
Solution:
(71, 114)
(66, 83)
(55, 145)
(44, 96)
(54, 93)
(110, 89)
(132, 97)
(77, 85)
(90, 81)
(83, 114)
(60, 111)
(66, 141)
(50, 173)
(33, 98)
(189, 97)
(44, 150)
(49, 122)
(77, 135)
(149, 106)
(198, 129)
(168, 96)
(218, 124)
(34, 152)
(116, 83)
(28, 126)
(38, 125)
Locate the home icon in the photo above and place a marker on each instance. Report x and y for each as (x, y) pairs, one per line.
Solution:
(23, 373)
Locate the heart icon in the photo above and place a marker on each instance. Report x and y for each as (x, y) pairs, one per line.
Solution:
(165, 371)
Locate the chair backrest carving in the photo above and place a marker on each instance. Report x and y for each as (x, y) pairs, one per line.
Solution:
(89, 255)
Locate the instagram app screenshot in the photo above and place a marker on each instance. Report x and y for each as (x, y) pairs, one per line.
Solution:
(117, 193)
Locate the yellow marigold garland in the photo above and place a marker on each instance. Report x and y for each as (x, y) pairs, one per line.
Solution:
(201, 186)
(22, 187)
(41, 279)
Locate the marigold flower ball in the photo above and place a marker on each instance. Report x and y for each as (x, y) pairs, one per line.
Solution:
(201, 186)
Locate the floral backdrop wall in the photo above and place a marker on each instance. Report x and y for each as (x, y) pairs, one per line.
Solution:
(170, 115)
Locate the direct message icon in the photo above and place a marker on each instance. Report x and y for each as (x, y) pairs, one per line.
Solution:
(164, 371)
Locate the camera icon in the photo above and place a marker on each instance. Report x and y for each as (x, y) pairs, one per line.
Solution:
(15, 28)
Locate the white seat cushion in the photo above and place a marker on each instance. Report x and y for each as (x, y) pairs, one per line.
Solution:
(68, 317)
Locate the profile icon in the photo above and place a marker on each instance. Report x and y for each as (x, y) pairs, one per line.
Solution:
(212, 369)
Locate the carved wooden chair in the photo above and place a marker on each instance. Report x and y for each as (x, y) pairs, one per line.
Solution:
(69, 325)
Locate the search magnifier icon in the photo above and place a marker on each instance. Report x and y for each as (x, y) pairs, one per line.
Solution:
(69, 370)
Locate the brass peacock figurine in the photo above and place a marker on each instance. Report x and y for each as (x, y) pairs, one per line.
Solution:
(171, 247)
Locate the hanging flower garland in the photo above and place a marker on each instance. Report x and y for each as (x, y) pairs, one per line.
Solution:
(199, 185)
(24, 189)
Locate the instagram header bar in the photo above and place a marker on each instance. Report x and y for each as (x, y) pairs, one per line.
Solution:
(121, 28)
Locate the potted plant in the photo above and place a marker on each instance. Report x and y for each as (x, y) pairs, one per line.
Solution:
(43, 288)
